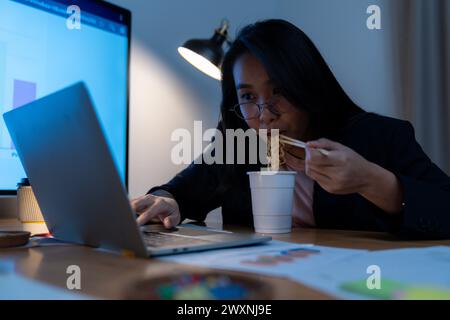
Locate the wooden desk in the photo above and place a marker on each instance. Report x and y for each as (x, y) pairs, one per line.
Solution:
(108, 276)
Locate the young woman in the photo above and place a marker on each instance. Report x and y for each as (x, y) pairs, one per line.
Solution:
(375, 177)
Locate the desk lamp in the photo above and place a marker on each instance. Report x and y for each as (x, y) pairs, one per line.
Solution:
(207, 54)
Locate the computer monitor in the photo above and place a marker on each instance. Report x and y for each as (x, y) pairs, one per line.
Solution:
(46, 45)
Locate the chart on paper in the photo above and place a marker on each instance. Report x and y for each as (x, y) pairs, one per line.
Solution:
(292, 256)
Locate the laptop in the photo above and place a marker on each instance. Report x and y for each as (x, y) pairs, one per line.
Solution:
(67, 159)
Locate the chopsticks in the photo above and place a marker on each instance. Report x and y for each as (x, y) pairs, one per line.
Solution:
(300, 144)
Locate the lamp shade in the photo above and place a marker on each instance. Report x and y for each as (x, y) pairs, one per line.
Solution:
(206, 54)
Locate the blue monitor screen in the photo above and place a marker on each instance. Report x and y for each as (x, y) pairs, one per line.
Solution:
(47, 45)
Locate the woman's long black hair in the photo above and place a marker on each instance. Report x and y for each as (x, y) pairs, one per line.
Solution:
(294, 65)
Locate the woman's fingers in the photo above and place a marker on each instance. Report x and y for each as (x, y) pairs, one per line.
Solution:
(329, 168)
(336, 157)
(322, 180)
(156, 209)
(140, 204)
(164, 209)
(317, 175)
(171, 221)
(315, 158)
(324, 144)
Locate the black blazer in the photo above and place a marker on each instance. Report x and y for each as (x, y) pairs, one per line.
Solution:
(385, 141)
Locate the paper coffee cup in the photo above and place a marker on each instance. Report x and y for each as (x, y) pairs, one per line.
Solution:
(28, 207)
(272, 200)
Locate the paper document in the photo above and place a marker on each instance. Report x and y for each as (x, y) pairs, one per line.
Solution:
(276, 258)
(16, 287)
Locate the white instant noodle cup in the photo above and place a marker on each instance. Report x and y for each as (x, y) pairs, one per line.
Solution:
(272, 200)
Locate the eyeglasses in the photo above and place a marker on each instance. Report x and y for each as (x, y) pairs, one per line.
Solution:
(253, 110)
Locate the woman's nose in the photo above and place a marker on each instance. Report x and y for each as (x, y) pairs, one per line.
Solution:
(266, 117)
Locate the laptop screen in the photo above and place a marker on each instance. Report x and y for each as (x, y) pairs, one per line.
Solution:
(46, 45)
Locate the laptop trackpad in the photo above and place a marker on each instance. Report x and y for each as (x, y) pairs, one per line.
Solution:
(181, 230)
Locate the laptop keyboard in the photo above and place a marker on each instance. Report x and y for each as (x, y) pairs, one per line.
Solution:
(156, 239)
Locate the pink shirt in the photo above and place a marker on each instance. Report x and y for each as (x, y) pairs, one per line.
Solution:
(302, 209)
